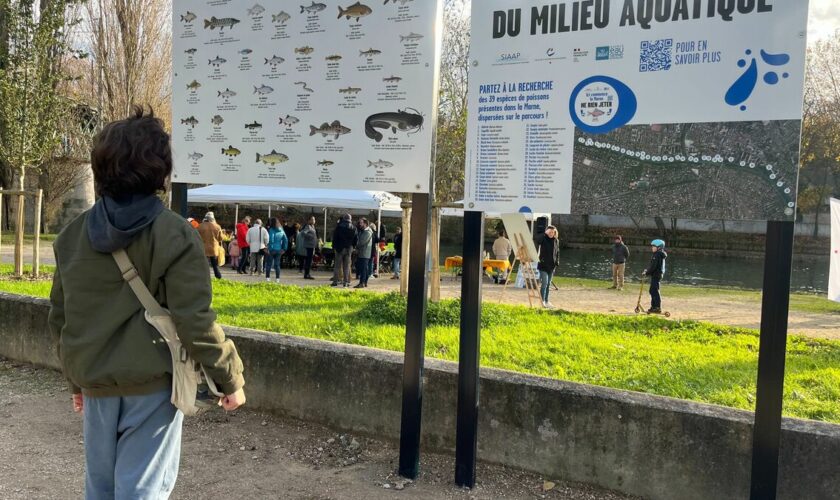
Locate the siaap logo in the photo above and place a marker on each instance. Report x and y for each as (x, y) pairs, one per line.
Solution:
(509, 56)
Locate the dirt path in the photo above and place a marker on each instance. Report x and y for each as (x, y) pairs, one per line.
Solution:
(722, 309)
(240, 455)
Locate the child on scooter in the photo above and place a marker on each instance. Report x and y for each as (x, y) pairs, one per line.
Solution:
(656, 270)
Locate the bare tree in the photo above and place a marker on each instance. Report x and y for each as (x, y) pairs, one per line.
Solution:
(131, 43)
(452, 113)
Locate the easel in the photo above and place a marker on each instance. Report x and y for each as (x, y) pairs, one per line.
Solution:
(532, 281)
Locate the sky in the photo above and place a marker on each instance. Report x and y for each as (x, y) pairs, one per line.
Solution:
(823, 19)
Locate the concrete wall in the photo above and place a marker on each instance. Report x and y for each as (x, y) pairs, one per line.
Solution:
(804, 227)
(644, 445)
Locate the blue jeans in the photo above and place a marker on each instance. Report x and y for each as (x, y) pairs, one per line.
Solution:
(272, 261)
(545, 284)
(397, 266)
(363, 270)
(132, 446)
(655, 297)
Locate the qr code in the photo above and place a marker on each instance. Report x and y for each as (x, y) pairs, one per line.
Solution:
(656, 55)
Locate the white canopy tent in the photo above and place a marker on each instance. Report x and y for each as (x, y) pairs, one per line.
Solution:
(380, 201)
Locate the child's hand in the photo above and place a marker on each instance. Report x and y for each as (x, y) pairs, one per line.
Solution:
(78, 403)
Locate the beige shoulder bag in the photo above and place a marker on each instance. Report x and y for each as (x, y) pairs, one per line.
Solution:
(186, 373)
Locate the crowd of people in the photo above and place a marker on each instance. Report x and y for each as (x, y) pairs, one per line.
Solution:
(359, 248)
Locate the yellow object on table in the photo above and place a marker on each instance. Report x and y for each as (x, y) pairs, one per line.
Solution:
(456, 263)
(453, 262)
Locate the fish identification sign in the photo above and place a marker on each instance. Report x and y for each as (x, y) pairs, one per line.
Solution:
(671, 108)
(320, 94)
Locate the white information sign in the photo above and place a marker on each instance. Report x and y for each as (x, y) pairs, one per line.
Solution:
(680, 108)
(316, 93)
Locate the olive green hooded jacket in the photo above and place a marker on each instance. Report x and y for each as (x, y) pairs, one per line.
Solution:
(105, 345)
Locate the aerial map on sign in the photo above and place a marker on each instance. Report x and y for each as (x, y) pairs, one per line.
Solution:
(736, 170)
(305, 94)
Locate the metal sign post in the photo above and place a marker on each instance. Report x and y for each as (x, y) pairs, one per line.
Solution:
(771, 360)
(179, 199)
(415, 336)
(466, 437)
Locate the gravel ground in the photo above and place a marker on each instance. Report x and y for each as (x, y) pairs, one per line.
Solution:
(244, 454)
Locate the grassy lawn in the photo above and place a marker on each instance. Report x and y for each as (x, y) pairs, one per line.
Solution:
(8, 238)
(683, 359)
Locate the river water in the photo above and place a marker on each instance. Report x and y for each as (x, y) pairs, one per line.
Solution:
(809, 274)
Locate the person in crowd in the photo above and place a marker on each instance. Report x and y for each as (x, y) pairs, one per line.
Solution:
(383, 232)
(120, 377)
(211, 236)
(234, 252)
(291, 236)
(373, 270)
(656, 271)
(300, 248)
(364, 247)
(549, 252)
(277, 244)
(344, 236)
(502, 248)
(310, 243)
(194, 223)
(242, 240)
(620, 255)
(258, 241)
(398, 241)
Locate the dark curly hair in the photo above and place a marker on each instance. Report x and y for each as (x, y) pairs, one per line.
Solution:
(132, 156)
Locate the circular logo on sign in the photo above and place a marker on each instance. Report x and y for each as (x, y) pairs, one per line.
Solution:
(601, 104)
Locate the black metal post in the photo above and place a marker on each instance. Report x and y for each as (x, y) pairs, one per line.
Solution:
(415, 335)
(466, 437)
(179, 199)
(771, 360)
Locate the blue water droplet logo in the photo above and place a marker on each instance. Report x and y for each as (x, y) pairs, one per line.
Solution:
(745, 85)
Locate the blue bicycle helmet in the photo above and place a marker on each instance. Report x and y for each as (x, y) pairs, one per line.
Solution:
(657, 243)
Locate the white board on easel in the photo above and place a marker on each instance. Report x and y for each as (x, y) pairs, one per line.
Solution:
(516, 224)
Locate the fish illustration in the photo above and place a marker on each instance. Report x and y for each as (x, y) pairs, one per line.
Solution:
(403, 2)
(357, 10)
(281, 18)
(188, 17)
(191, 121)
(304, 50)
(225, 22)
(218, 61)
(289, 120)
(335, 128)
(256, 10)
(392, 79)
(369, 52)
(272, 158)
(314, 8)
(350, 90)
(194, 85)
(245, 52)
(253, 126)
(334, 57)
(227, 93)
(191, 51)
(411, 37)
(263, 89)
(274, 61)
(231, 151)
(217, 120)
(409, 120)
(380, 164)
(304, 86)
(195, 156)
(326, 163)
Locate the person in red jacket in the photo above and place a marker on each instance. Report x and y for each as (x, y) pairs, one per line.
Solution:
(245, 248)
